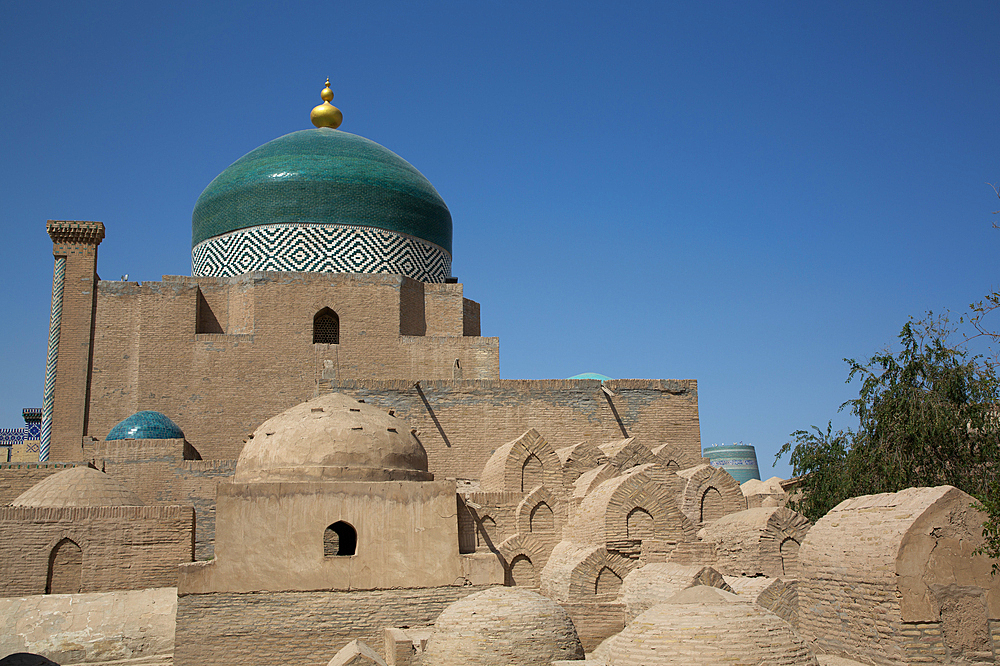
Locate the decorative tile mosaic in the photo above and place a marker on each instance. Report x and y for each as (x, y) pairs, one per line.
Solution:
(320, 248)
(11, 436)
(146, 425)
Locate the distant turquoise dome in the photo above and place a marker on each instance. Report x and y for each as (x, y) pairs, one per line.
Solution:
(146, 425)
(591, 375)
(326, 201)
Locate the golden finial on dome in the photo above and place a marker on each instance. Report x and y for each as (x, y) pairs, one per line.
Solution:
(326, 114)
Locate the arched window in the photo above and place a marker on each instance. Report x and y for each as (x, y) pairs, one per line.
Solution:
(65, 569)
(326, 327)
(340, 539)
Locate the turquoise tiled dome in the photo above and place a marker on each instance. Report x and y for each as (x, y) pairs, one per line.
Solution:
(591, 375)
(326, 177)
(146, 425)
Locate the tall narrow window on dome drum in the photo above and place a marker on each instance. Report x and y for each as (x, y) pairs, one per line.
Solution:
(326, 327)
(340, 539)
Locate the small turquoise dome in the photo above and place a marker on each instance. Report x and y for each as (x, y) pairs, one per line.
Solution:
(146, 425)
(327, 177)
(591, 375)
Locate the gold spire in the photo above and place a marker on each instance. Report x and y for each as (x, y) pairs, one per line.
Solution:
(326, 114)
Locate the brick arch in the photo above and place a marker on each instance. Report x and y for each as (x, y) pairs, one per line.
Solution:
(527, 514)
(486, 532)
(505, 469)
(697, 481)
(526, 546)
(673, 458)
(326, 327)
(750, 543)
(573, 571)
(577, 459)
(624, 454)
(603, 514)
(521, 573)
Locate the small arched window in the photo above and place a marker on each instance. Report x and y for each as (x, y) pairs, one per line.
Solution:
(340, 539)
(326, 327)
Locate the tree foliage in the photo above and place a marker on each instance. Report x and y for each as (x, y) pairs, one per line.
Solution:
(927, 416)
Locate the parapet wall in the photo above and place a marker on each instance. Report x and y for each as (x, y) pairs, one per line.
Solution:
(279, 628)
(88, 628)
(15, 478)
(121, 547)
(461, 423)
(160, 472)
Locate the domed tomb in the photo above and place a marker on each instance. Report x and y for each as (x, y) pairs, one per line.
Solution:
(706, 625)
(332, 438)
(145, 425)
(503, 625)
(78, 486)
(321, 200)
(333, 494)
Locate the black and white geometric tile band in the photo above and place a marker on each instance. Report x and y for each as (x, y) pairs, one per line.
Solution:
(320, 248)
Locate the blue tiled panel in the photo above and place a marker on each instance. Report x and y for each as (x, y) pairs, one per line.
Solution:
(11, 436)
(146, 425)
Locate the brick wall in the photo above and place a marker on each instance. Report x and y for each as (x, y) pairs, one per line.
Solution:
(461, 423)
(156, 470)
(15, 478)
(303, 628)
(193, 348)
(123, 548)
(91, 628)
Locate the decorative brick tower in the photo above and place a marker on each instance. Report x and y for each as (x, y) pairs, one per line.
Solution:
(71, 338)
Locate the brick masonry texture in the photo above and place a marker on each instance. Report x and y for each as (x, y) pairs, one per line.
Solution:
(157, 471)
(15, 478)
(89, 628)
(194, 347)
(461, 423)
(131, 547)
(305, 628)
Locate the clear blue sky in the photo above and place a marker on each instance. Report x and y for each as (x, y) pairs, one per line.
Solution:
(741, 193)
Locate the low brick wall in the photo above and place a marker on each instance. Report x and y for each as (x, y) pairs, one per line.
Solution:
(596, 622)
(15, 478)
(302, 628)
(122, 547)
(90, 628)
(156, 470)
(461, 423)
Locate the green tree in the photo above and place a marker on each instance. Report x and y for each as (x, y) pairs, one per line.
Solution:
(927, 416)
(981, 310)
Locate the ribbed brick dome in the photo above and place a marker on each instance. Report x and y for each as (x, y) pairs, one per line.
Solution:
(78, 486)
(332, 438)
(503, 625)
(706, 625)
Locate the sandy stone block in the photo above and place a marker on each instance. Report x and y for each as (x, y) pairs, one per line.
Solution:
(356, 653)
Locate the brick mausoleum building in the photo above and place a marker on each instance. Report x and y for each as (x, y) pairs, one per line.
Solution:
(304, 451)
